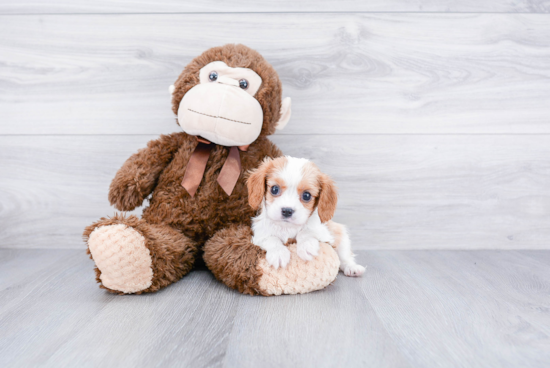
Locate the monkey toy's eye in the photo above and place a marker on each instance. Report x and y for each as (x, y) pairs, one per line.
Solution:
(213, 76)
(243, 83)
(306, 196)
(275, 190)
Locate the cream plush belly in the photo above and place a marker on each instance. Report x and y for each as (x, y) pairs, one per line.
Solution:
(300, 276)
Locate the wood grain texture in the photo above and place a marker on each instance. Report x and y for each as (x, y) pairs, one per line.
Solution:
(332, 328)
(463, 309)
(11, 261)
(246, 6)
(346, 73)
(396, 191)
(59, 317)
(410, 309)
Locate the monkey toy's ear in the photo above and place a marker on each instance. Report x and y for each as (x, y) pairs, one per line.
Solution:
(285, 114)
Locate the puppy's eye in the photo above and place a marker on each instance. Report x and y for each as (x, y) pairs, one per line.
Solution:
(213, 76)
(306, 196)
(243, 83)
(275, 190)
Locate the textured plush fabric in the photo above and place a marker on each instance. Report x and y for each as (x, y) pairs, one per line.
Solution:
(233, 259)
(172, 253)
(300, 276)
(241, 265)
(120, 253)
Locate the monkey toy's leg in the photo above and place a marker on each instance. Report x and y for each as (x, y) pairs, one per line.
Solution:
(241, 265)
(134, 257)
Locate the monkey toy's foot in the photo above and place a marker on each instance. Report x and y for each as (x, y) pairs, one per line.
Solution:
(132, 256)
(300, 276)
(120, 254)
(237, 262)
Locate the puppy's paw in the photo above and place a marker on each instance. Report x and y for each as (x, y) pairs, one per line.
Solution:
(278, 257)
(328, 239)
(308, 249)
(353, 270)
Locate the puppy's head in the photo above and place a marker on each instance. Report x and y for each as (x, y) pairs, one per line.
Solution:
(293, 188)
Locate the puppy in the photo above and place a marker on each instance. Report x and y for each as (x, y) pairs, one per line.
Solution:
(296, 201)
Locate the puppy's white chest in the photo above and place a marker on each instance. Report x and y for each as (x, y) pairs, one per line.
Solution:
(286, 233)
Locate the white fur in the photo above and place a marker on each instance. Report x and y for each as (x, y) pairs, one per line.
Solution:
(272, 230)
(347, 261)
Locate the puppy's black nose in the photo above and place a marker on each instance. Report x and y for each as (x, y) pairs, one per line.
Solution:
(287, 212)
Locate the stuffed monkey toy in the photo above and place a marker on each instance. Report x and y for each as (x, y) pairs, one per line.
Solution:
(227, 101)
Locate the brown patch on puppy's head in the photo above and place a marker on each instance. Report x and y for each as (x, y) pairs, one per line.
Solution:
(257, 181)
(327, 199)
(310, 183)
(322, 189)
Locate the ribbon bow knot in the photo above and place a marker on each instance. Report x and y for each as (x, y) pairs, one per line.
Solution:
(229, 174)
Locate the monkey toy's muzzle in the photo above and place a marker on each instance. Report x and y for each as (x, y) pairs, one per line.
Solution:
(221, 113)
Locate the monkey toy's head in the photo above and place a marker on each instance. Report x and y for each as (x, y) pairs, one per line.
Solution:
(230, 96)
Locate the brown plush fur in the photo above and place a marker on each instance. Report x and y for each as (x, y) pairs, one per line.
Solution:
(172, 253)
(175, 225)
(233, 259)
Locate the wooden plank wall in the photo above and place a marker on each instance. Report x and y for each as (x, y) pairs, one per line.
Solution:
(434, 119)
(286, 6)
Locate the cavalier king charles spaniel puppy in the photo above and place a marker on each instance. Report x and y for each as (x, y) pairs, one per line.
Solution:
(296, 201)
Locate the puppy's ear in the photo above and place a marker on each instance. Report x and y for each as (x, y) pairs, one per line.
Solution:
(256, 183)
(327, 199)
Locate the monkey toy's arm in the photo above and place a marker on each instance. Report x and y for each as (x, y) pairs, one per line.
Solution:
(137, 178)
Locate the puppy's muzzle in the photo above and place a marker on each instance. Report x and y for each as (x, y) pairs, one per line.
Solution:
(287, 212)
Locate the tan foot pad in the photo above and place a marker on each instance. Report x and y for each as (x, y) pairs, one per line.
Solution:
(122, 257)
(299, 276)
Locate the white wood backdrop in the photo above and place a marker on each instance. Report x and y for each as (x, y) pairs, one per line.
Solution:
(253, 6)
(434, 118)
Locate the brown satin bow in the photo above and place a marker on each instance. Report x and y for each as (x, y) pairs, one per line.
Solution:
(229, 173)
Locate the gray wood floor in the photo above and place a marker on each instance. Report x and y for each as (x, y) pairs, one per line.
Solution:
(411, 309)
